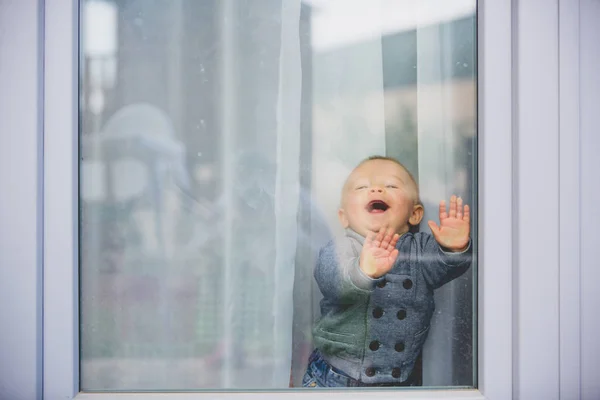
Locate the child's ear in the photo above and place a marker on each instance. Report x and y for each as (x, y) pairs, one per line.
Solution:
(343, 218)
(417, 215)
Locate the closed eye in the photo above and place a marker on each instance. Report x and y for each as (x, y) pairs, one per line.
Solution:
(361, 187)
(392, 186)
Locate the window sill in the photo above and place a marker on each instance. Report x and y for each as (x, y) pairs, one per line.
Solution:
(382, 394)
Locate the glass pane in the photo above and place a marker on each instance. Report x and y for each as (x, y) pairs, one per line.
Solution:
(224, 204)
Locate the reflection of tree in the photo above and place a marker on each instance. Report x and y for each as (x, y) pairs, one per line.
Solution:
(402, 140)
(402, 143)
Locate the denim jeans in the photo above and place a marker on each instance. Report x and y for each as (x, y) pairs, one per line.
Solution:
(320, 374)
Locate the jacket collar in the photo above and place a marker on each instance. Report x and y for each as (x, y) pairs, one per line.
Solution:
(357, 236)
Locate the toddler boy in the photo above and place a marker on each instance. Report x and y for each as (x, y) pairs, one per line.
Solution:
(378, 280)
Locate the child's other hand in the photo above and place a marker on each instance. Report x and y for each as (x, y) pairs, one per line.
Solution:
(379, 253)
(454, 229)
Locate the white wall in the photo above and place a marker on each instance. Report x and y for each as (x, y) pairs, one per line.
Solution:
(556, 114)
(589, 197)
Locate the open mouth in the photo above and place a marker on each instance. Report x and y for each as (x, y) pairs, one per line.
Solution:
(377, 206)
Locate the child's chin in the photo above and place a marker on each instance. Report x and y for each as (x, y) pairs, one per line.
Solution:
(375, 228)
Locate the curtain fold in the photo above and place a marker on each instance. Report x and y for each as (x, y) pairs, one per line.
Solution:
(287, 188)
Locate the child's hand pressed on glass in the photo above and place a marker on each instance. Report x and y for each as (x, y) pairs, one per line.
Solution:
(453, 231)
(379, 250)
(379, 253)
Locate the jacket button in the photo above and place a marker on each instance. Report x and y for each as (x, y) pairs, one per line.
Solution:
(377, 312)
(407, 284)
(396, 372)
(381, 283)
(399, 347)
(370, 371)
(401, 314)
(374, 345)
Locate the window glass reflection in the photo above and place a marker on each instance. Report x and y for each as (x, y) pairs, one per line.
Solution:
(215, 139)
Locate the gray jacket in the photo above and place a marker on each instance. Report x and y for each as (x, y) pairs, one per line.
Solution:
(374, 329)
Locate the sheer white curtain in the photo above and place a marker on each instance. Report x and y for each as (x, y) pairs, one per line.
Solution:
(261, 221)
(190, 181)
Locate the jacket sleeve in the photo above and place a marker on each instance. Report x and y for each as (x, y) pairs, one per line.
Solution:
(440, 267)
(339, 276)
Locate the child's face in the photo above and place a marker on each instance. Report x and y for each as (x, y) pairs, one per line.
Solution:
(379, 193)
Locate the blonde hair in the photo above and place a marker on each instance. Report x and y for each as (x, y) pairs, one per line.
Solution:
(395, 161)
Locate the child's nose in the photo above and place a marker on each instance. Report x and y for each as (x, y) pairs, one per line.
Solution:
(376, 189)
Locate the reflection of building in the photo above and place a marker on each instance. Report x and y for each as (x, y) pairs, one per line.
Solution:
(170, 54)
(426, 117)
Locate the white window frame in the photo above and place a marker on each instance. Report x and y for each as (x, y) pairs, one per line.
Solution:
(61, 322)
(53, 366)
(538, 94)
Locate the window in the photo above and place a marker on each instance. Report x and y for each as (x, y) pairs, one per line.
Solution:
(214, 141)
(98, 173)
(536, 320)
